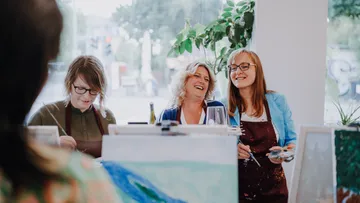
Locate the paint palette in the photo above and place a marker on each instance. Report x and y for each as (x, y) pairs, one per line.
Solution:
(286, 154)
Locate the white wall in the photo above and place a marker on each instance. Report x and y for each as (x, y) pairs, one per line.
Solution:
(290, 39)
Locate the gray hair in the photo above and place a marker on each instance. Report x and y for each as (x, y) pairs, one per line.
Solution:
(180, 79)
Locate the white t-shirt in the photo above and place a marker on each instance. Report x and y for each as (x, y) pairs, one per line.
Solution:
(201, 121)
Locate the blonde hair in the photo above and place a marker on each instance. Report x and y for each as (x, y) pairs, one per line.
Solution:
(92, 72)
(180, 79)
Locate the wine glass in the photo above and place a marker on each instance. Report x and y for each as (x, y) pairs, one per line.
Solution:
(215, 115)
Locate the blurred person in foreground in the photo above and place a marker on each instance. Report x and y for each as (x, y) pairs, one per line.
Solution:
(30, 171)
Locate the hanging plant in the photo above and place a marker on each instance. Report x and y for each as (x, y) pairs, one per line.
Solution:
(234, 23)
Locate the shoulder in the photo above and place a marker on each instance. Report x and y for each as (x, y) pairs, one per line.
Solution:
(106, 114)
(276, 99)
(42, 115)
(170, 110)
(214, 103)
(91, 178)
(58, 106)
(169, 113)
(275, 96)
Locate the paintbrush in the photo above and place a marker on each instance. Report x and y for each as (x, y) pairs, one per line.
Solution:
(57, 123)
(250, 153)
(62, 129)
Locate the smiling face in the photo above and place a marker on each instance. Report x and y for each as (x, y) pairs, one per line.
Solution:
(198, 84)
(241, 78)
(79, 100)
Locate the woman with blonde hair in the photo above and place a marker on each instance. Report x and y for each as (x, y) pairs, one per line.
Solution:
(192, 91)
(81, 122)
(265, 119)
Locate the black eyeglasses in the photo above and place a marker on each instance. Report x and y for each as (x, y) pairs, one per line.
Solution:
(82, 90)
(243, 66)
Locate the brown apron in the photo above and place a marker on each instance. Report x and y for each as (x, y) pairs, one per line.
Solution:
(178, 114)
(266, 183)
(92, 148)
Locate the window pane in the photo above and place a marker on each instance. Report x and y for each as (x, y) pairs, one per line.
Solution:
(343, 54)
(132, 39)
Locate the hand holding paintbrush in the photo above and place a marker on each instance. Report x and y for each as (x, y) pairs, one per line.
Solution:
(244, 151)
(65, 141)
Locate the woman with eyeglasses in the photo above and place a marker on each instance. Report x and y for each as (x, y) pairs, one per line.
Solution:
(266, 122)
(81, 123)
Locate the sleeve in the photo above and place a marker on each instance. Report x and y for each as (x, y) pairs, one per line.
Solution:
(110, 117)
(290, 134)
(163, 116)
(36, 119)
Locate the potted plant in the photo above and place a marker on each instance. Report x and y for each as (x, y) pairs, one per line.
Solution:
(349, 117)
(235, 23)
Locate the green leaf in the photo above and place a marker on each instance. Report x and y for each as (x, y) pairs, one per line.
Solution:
(227, 31)
(179, 38)
(199, 28)
(207, 41)
(218, 36)
(212, 46)
(221, 20)
(188, 45)
(223, 51)
(237, 16)
(228, 9)
(242, 9)
(252, 4)
(230, 3)
(219, 28)
(226, 14)
(192, 33)
(208, 27)
(239, 32)
(198, 42)
(182, 48)
(241, 3)
(202, 35)
(249, 19)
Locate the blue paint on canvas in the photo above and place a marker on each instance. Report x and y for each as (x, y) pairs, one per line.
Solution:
(174, 181)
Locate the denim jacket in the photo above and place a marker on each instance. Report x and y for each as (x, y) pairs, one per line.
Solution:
(281, 118)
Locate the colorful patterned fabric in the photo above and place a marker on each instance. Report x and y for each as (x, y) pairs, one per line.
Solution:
(83, 181)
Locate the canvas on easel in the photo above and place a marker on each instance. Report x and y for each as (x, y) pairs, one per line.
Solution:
(44, 134)
(347, 165)
(312, 179)
(172, 169)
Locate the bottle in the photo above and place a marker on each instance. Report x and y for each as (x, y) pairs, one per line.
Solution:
(152, 114)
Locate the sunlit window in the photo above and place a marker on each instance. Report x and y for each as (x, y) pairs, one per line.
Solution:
(343, 55)
(132, 39)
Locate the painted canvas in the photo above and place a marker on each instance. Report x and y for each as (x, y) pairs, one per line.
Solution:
(347, 153)
(313, 174)
(172, 169)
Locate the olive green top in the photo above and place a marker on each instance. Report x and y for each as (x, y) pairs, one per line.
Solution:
(83, 124)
